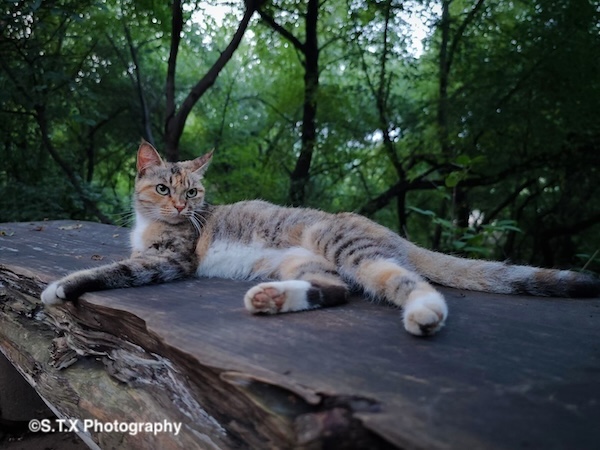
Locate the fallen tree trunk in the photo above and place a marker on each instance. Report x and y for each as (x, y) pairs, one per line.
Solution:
(508, 371)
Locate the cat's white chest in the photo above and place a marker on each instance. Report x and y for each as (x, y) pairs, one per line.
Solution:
(136, 236)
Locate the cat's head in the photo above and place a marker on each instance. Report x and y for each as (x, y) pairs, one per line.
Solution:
(168, 192)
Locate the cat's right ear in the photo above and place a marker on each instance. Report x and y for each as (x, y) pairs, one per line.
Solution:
(147, 157)
(200, 164)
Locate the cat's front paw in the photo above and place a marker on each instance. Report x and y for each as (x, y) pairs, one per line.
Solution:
(277, 297)
(425, 315)
(53, 294)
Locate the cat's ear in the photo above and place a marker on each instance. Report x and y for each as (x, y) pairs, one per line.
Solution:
(147, 157)
(200, 164)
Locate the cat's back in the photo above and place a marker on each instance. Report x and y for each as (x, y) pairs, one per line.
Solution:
(258, 220)
(262, 223)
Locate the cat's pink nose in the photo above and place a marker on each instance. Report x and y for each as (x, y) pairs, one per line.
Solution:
(179, 207)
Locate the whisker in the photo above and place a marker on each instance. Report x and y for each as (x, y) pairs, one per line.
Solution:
(194, 222)
(123, 219)
(198, 215)
(197, 220)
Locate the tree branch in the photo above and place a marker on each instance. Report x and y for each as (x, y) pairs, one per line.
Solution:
(461, 30)
(510, 199)
(40, 115)
(175, 122)
(282, 31)
(146, 120)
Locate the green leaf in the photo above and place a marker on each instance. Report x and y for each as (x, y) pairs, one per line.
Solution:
(463, 160)
(445, 223)
(454, 178)
(459, 245)
(425, 212)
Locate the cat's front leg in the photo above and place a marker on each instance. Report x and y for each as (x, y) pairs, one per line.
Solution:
(54, 293)
(74, 285)
(129, 273)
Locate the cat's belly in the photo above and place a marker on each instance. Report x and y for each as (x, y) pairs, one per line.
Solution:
(241, 261)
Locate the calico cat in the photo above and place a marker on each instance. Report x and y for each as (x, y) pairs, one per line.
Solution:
(304, 258)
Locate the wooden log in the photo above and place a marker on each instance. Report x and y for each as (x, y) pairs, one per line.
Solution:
(507, 372)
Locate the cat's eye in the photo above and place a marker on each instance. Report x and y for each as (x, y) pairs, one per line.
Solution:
(162, 189)
(191, 193)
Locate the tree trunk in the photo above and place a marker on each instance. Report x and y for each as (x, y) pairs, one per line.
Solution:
(300, 176)
(444, 74)
(448, 49)
(171, 140)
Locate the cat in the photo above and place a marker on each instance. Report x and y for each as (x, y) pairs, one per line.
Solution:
(303, 258)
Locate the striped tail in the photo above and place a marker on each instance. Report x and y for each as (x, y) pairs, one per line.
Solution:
(501, 278)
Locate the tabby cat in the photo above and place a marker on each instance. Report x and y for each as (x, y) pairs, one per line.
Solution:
(304, 258)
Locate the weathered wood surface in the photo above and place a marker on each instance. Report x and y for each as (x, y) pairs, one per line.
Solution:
(507, 372)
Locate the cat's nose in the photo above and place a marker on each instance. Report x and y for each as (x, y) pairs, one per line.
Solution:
(179, 207)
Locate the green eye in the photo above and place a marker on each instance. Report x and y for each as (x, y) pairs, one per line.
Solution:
(191, 193)
(162, 189)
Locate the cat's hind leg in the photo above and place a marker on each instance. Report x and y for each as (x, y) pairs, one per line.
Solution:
(305, 281)
(424, 308)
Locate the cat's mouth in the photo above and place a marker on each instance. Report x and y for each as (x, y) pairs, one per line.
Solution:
(185, 216)
(176, 217)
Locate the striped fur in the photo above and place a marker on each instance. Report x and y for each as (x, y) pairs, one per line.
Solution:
(303, 258)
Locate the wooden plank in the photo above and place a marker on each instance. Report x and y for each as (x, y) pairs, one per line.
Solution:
(506, 372)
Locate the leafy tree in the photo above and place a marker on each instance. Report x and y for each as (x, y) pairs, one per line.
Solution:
(484, 144)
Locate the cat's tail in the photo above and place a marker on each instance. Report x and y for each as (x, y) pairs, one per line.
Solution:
(501, 278)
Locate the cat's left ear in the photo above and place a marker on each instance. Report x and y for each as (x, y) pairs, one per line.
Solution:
(200, 164)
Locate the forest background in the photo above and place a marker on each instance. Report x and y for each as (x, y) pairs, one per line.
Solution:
(469, 127)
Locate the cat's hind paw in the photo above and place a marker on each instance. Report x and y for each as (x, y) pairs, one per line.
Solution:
(278, 297)
(425, 315)
(53, 294)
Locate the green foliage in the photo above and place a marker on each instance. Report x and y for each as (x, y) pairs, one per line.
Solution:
(484, 241)
(514, 135)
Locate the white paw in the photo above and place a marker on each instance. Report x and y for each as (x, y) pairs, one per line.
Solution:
(425, 315)
(277, 297)
(53, 294)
